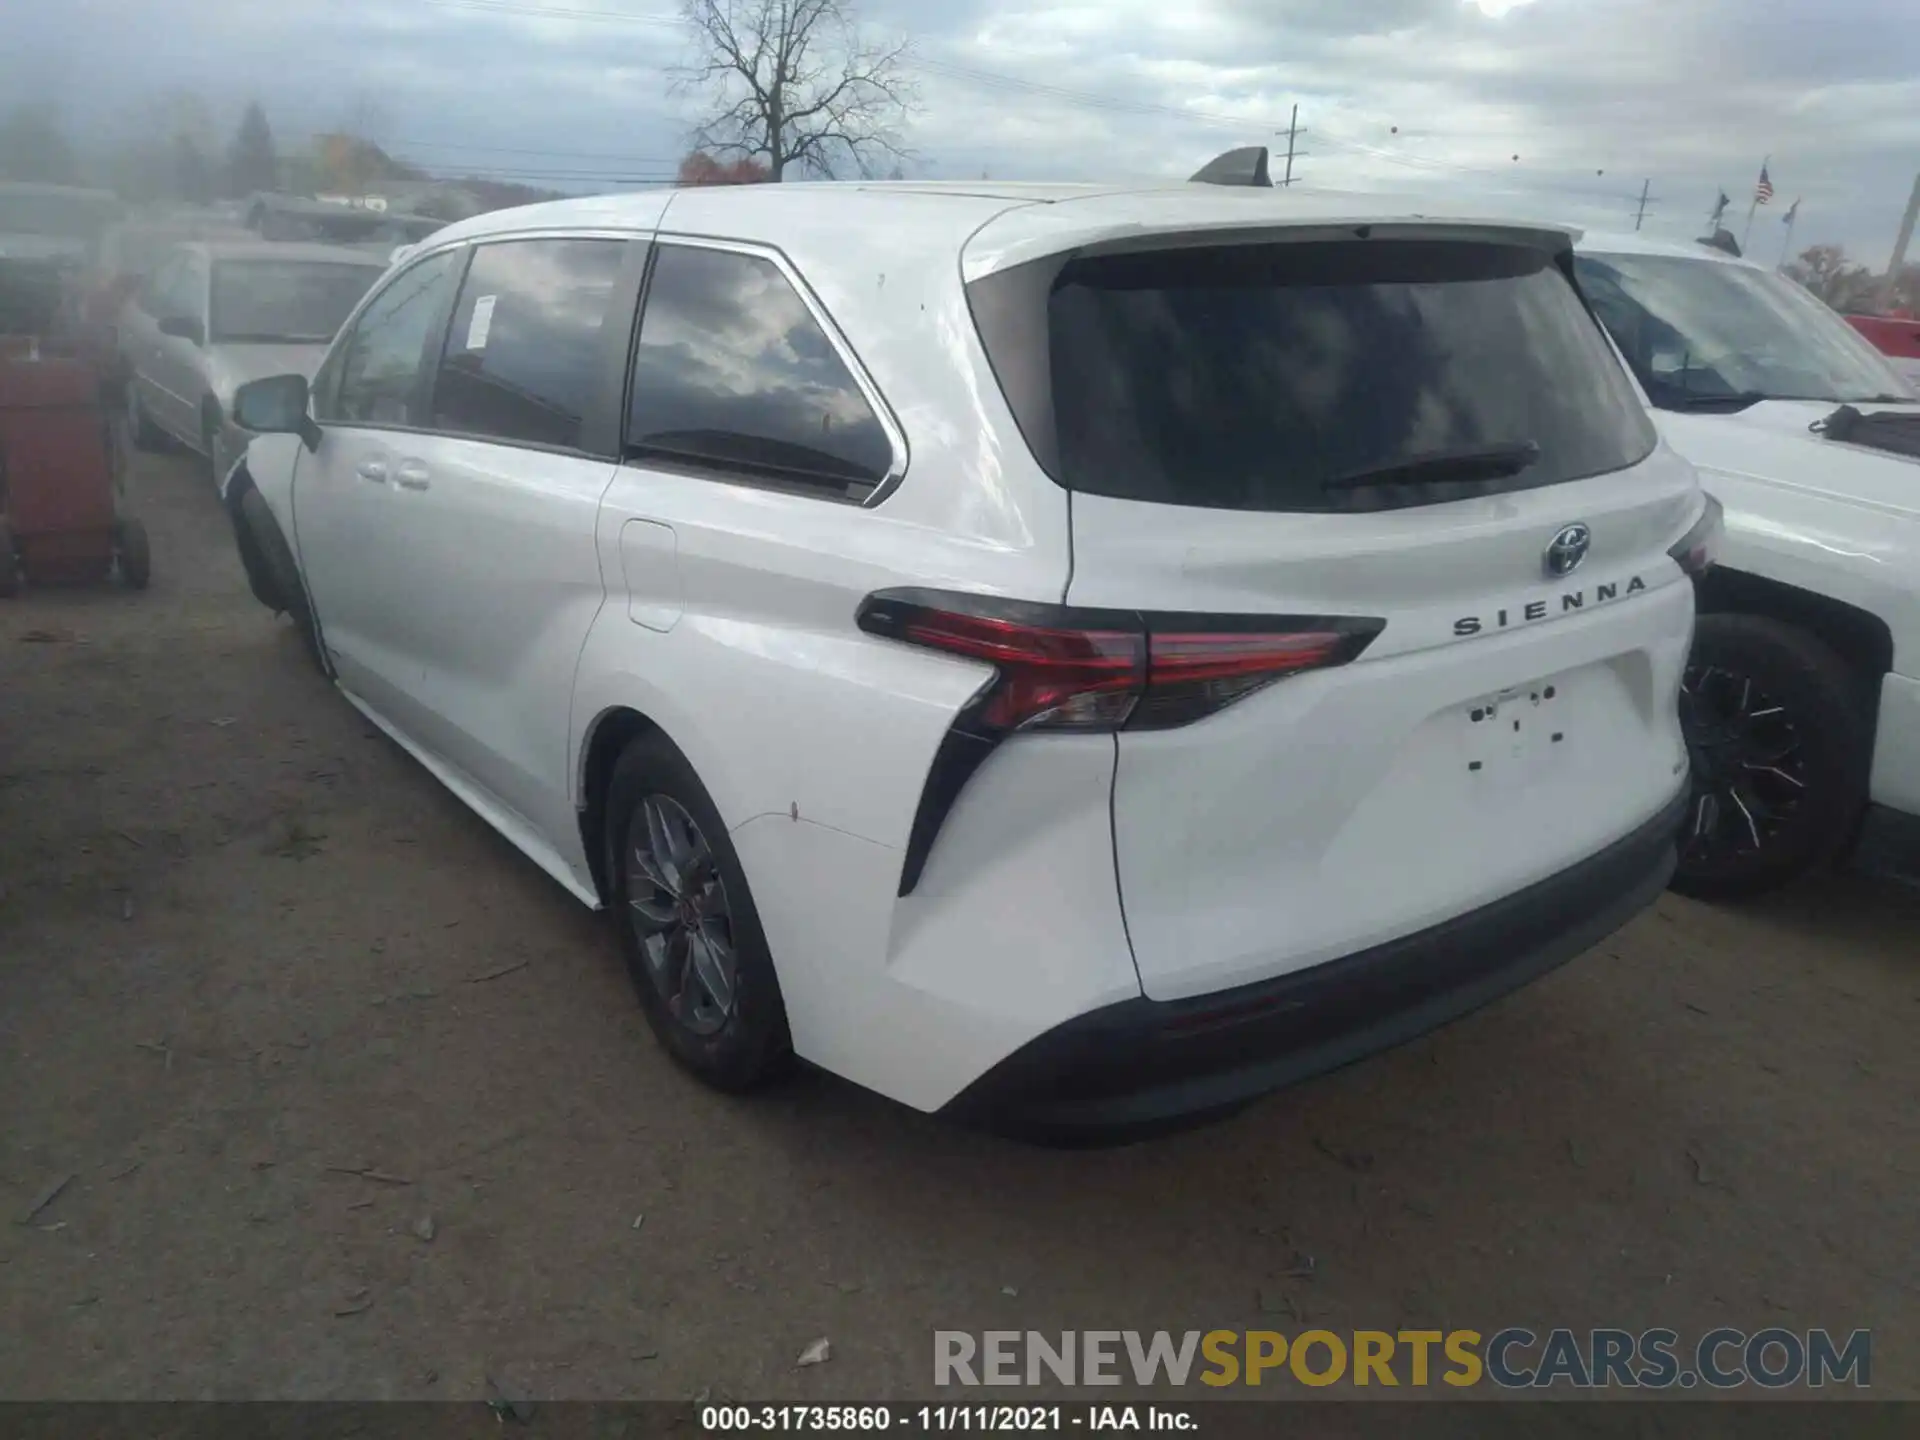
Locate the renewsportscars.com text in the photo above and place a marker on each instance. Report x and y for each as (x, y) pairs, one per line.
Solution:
(1514, 1358)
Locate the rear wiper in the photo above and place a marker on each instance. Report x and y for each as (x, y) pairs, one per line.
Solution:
(1490, 462)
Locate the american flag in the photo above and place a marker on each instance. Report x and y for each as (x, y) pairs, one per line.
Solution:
(1763, 192)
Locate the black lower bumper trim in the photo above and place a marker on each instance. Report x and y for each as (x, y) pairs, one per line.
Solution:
(1146, 1065)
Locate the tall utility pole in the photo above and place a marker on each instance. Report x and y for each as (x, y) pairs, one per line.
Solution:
(1890, 286)
(1641, 214)
(1293, 134)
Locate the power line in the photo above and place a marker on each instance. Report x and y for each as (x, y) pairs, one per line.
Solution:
(544, 154)
(457, 174)
(555, 160)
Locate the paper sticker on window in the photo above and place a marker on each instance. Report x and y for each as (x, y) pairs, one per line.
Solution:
(482, 322)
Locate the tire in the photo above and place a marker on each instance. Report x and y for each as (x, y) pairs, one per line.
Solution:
(136, 560)
(656, 806)
(1778, 731)
(142, 431)
(291, 596)
(9, 563)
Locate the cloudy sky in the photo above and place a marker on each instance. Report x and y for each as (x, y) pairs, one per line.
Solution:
(1593, 97)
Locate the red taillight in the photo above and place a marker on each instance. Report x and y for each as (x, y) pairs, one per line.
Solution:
(1062, 668)
(1062, 678)
(1057, 667)
(1194, 673)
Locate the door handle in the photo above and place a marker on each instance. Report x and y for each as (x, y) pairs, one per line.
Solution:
(412, 475)
(374, 470)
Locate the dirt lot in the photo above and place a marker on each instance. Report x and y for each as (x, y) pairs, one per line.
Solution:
(273, 1000)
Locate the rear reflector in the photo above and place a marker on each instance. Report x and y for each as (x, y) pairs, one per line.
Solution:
(1059, 667)
(1696, 551)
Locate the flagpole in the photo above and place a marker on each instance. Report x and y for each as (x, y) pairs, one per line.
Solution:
(1753, 205)
(1786, 250)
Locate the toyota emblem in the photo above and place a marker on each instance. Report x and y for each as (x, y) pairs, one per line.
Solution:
(1567, 550)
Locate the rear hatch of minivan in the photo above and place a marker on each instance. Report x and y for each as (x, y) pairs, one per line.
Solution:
(1394, 491)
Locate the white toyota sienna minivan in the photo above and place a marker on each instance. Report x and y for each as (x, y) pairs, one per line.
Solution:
(1074, 658)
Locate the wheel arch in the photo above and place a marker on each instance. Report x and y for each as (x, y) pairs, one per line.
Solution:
(604, 741)
(1858, 636)
(260, 576)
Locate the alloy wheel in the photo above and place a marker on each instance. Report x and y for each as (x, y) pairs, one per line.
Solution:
(1749, 772)
(677, 906)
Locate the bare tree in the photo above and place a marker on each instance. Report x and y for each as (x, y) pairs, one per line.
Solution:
(793, 84)
(1828, 273)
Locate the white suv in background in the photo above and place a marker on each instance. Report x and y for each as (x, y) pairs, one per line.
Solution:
(1074, 658)
(1802, 700)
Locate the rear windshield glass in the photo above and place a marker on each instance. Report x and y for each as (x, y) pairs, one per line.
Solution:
(1283, 376)
(286, 300)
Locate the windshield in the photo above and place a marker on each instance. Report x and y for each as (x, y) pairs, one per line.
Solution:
(76, 216)
(1700, 331)
(1332, 376)
(287, 300)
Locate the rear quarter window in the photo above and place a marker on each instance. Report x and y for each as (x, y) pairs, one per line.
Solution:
(733, 376)
(1267, 377)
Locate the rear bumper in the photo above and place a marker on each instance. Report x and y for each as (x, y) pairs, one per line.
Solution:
(1144, 1065)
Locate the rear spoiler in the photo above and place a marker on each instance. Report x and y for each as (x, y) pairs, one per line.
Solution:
(1247, 166)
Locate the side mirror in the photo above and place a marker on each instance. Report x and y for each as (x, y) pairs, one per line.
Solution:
(184, 327)
(276, 405)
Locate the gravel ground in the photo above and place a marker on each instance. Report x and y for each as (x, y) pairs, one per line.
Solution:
(350, 1101)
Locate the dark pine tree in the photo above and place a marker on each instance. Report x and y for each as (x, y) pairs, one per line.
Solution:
(252, 163)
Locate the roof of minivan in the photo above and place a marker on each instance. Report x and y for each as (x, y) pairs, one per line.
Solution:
(997, 223)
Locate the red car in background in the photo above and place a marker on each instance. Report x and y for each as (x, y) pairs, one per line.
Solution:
(1895, 336)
